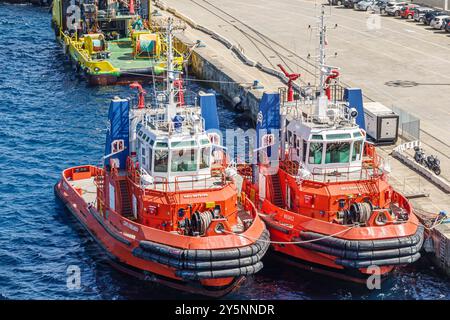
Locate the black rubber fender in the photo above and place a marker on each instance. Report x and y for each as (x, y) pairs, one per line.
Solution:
(363, 255)
(214, 274)
(365, 245)
(207, 255)
(357, 264)
(198, 265)
(134, 71)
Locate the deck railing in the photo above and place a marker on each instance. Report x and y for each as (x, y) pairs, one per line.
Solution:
(369, 169)
(305, 110)
(198, 182)
(180, 183)
(156, 121)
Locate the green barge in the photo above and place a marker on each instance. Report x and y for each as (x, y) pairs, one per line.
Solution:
(111, 42)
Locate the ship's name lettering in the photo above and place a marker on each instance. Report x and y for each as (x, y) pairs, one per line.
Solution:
(202, 195)
(349, 187)
(130, 226)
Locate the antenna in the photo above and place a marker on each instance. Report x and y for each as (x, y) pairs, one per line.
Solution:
(322, 43)
(326, 73)
(171, 106)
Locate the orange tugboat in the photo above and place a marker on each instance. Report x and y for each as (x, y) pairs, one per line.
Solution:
(165, 206)
(325, 197)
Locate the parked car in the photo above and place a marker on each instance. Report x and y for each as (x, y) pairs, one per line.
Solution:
(419, 13)
(380, 6)
(431, 15)
(365, 5)
(444, 23)
(350, 3)
(335, 2)
(394, 9)
(447, 27)
(407, 12)
(436, 22)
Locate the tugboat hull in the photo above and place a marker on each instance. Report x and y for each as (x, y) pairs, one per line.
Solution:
(342, 252)
(127, 244)
(346, 275)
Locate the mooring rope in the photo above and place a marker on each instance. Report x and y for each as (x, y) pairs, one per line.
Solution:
(289, 242)
(324, 237)
(434, 225)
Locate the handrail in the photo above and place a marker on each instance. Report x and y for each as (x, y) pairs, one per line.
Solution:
(70, 41)
(304, 109)
(249, 205)
(334, 172)
(163, 185)
(337, 172)
(134, 174)
(207, 178)
(372, 161)
(151, 120)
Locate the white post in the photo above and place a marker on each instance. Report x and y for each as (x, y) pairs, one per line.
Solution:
(322, 101)
(283, 135)
(322, 35)
(171, 106)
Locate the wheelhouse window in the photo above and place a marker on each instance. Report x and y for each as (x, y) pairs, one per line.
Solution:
(315, 152)
(184, 160)
(357, 150)
(161, 145)
(339, 136)
(305, 146)
(150, 158)
(143, 157)
(161, 160)
(178, 144)
(205, 157)
(337, 152)
(138, 148)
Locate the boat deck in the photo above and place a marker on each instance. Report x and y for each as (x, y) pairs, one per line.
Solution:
(89, 194)
(122, 56)
(88, 187)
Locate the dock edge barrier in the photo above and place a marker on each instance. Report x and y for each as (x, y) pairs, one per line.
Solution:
(399, 154)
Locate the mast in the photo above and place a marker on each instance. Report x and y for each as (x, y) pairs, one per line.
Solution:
(171, 105)
(322, 42)
(322, 101)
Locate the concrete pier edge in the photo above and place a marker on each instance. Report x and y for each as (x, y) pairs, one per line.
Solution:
(399, 154)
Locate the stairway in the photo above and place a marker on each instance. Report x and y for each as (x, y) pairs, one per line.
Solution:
(125, 200)
(277, 197)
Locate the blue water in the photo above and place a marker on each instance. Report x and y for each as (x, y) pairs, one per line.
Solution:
(49, 120)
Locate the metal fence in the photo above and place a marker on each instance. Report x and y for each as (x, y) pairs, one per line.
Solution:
(409, 125)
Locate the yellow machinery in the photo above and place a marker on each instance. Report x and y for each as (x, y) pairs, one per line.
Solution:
(94, 43)
(125, 50)
(145, 44)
